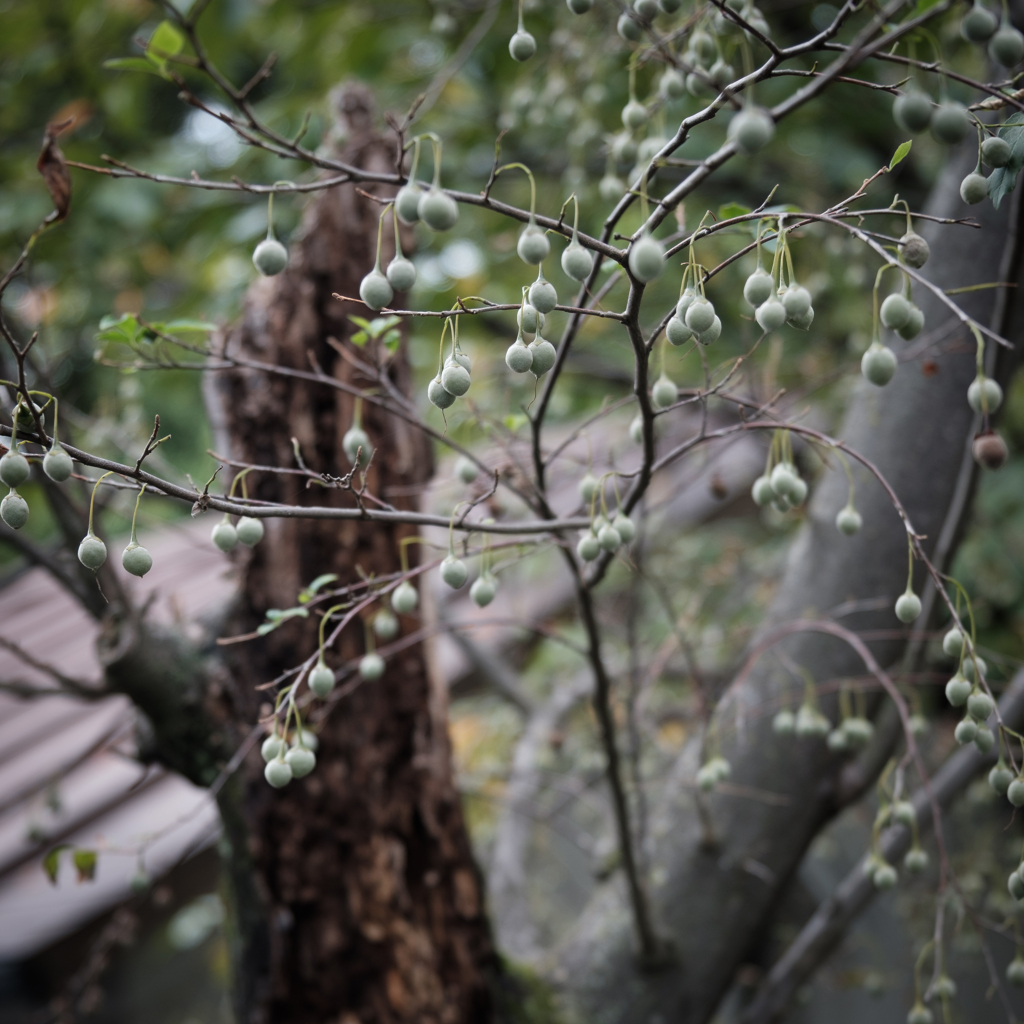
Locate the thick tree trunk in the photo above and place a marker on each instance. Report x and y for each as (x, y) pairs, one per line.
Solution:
(357, 898)
(711, 902)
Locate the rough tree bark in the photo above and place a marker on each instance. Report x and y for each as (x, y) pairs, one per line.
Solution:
(356, 893)
(714, 900)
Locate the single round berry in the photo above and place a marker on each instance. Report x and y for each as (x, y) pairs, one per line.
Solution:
(272, 746)
(974, 188)
(758, 287)
(664, 393)
(371, 666)
(858, 730)
(588, 487)
(588, 547)
(375, 290)
(908, 607)
(784, 480)
(270, 257)
(1007, 47)
(698, 85)
(608, 537)
(878, 364)
(437, 210)
(979, 24)
(751, 129)
(684, 303)
(811, 723)
(713, 333)
(544, 356)
(577, 262)
(646, 258)
(224, 535)
(465, 470)
(301, 761)
(916, 861)
(483, 590)
(278, 773)
(518, 358)
(136, 560)
(57, 464)
(401, 274)
(912, 110)
(456, 379)
(762, 492)
(885, 876)
(542, 295)
(454, 572)
(918, 725)
(405, 598)
(624, 527)
(958, 689)
(672, 85)
(914, 250)
(646, 9)
(677, 331)
(522, 46)
(770, 315)
(1015, 792)
(895, 311)
(989, 450)
(950, 122)
(636, 429)
(670, 6)
(701, 315)
(903, 813)
(321, 680)
(407, 202)
(965, 731)
(836, 741)
(980, 705)
(797, 301)
(250, 531)
(703, 46)
(14, 469)
(385, 624)
(629, 28)
(721, 73)
(634, 115)
(798, 493)
(985, 740)
(848, 521)
(915, 323)
(529, 319)
(975, 666)
(533, 245)
(14, 511)
(995, 152)
(579, 6)
(1015, 971)
(999, 779)
(611, 187)
(784, 723)
(984, 395)
(92, 552)
(437, 395)
(356, 445)
(953, 642)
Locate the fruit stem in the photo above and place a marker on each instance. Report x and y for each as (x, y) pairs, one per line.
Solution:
(522, 27)
(440, 353)
(240, 478)
(533, 185)
(380, 234)
(270, 205)
(414, 166)
(435, 142)
(398, 241)
(910, 564)
(135, 514)
(92, 500)
(357, 413)
(323, 622)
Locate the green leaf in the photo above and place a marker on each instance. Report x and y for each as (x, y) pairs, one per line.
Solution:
(320, 581)
(360, 322)
(392, 340)
(166, 40)
(124, 329)
(185, 325)
(730, 210)
(85, 864)
(901, 152)
(1002, 180)
(132, 64)
(51, 861)
(514, 421)
(360, 338)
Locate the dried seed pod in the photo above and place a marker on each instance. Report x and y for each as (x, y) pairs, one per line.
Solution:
(990, 450)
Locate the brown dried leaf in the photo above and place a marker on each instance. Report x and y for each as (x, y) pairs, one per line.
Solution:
(54, 169)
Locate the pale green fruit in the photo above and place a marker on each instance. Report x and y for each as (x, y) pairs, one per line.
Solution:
(636, 429)
(912, 110)
(375, 290)
(529, 319)
(672, 85)
(437, 394)
(456, 379)
(1015, 971)
(951, 122)
(784, 723)
(836, 741)
(915, 322)
(980, 705)
(984, 394)
(301, 761)
(483, 590)
(321, 680)
(1015, 792)
(544, 356)
(224, 535)
(958, 690)
(405, 598)
(401, 274)
(798, 493)
(608, 537)
(646, 9)
(758, 287)
(920, 1014)
(979, 24)
(371, 666)
(971, 671)
(611, 187)
(250, 531)
(995, 151)
(895, 311)
(624, 527)
(407, 202)
(803, 321)
(903, 813)
(966, 731)
(356, 444)
(974, 188)
(454, 572)
(272, 746)
(985, 740)
(14, 510)
(762, 492)
(713, 333)
(646, 258)
(518, 358)
(533, 245)
(385, 624)
(634, 115)
(588, 487)
(677, 332)
(629, 28)
(848, 521)
(916, 861)
(437, 210)
(878, 364)
(664, 393)
(858, 730)
(542, 295)
(684, 303)
(1007, 47)
(784, 480)
(577, 262)
(796, 301)
(908, 606)
(953, 642)
(136, 560)
(701, 315)
(751, 129)
(57, 464)
(623, 149)
(721, 73)
(885, 876)
(14, 469)
(914, 250)
(1000, 777)
(588, 547)
(770, 315)
(466, 471)
(579, 6)
(703, 46)
(92, 552)
(270, 257)
(278, 773)
(811, 723)
(522, 46)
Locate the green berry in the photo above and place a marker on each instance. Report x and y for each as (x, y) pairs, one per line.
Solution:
(958, 690)
(677, 332)
(356, 445)
(624, 527)
(375, 290)
(784, 480)
(670, 6)
(636, 429)
(224, 535)
(456, 379)
(57, 464)
(995, 151)
(908, 606)
(974, 188)
(758, 288)
(483, 590)
(1007, 47)
(529, 319)
(915, 322)
(629, 28)
(321, 680)
(1000, 778)
(916, 861)
(836, 741)
(437, 210)
(533, 245)
(784, 723)
(454, 572)
(401, 274)
(895, 311)
(608, 537)
(796, 301)
(951, 122)
(920, 1014)
(979, 24)
(136, 560)
(407, 202)
(985, 740)
(1015, 971)
(697, 84)
(980, 705)
(803, 321)
(914, 250)
(684, 303)
(437, 395)
(646, 9)
(751, 129)
(878, 364)
(518, 358)
(664, 393)
(912, 110)
(770, 315)
(762, 492)
(250, 531)
(903, 813)
(703, 46)
(272, 746)
(965, 731)
(542, 295)
(14, 469)
(611, 187)
(588, 547)
(385, 624)
(953, 642)
(270, 257)
(672, 85)
(634, 115)
(848, 521)
(405, 598)
(466, 471)
(974, 666)
(721, 73)
(579, 6)
(92, 552)
(14, 511)
(811, 723)
(522, 46)
(984, 395)
(885, 876)
(278, 773)
(371, 666)
(701, 315)
(623, 149)
(1015, 792)
(544, 356)
(301, 761)
(918, 725)
(858, 730)
(646, 258)
(588, 487)
(577, 262)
